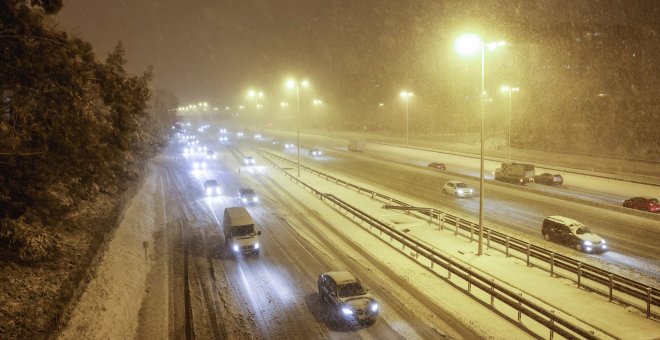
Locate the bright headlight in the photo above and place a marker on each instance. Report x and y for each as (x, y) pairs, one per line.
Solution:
(347, 311)
(374, 307)
(256, 246)
(235, 247)
(256, 199)
(460, 191)
(209, 191)
(244, 199)
(218, 191)
(587, 243)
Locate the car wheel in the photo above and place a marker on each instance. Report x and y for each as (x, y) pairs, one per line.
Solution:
(578, 247)
(546, 237)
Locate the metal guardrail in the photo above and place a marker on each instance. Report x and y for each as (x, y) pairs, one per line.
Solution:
(524, 306)
(648, 295)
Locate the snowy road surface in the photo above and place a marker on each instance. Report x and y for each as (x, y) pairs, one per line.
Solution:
(191, 287)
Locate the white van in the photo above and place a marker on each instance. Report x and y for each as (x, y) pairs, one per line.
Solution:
(240, 235)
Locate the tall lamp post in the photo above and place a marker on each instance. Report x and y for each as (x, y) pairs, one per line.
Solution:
(510, 91)
(406, 96)
(291, 84)
(468, 45)
(316, 103)
(256, 95)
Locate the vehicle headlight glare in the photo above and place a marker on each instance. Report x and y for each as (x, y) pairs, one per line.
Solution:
(374, 307)
(244, 199)
(587, 243)
(235, 247)
(347, 311)
(256, 246)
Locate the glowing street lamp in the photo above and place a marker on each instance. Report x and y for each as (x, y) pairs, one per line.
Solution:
(406, 96)
(291, 83)
(466, 46)
(510, 91)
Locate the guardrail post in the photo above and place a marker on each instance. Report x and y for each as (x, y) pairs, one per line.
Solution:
(507, 246)
(430, 217)
(519, 307)
(449, 270)
(471, 233)
(552, 325)
(373, 195)
(469, 279)
(487, 239)
(648, 302)
(579, 274)
(492, 289)
(611, 285)
(528, 246)
(456, 229)
(442, 222)
(432, 260)
(552, 264)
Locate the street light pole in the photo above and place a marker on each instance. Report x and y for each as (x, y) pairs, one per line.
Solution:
(256, 95)
(290, 84)
(298, 123)
(406, 95)
(467, 45)
(510, 90)
(481, 167)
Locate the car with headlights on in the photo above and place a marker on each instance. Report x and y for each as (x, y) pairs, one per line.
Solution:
(199, 165)
(210, 154)
(643, 203)
(549, 179)
(436, 165)
(289, 145)
(457, 188)
(247, 196)
(249, 160)
(569, 232)
(315, 152)
(346, 295)
(212, 188)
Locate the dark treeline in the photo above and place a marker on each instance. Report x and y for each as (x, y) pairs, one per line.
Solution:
(71, 127)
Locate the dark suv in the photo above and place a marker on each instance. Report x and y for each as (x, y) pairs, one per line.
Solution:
(572, 233)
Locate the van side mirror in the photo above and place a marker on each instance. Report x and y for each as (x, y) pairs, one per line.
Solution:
(259, 232)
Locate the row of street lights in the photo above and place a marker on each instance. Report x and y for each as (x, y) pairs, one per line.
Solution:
(467, 45)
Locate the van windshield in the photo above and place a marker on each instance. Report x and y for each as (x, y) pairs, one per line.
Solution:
(243, 230)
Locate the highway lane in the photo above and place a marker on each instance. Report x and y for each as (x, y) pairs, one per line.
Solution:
(633, 239)
(272, 294)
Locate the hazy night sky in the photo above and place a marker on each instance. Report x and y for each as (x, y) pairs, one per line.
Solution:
(214, 50)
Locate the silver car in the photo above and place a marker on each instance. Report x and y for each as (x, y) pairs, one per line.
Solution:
(457, 188)
(346, 295)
